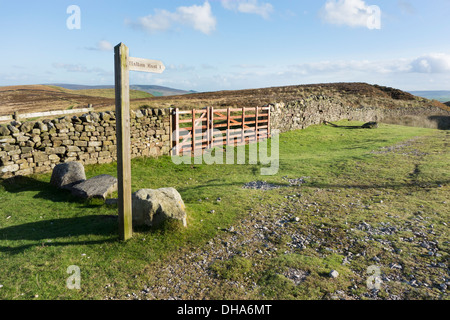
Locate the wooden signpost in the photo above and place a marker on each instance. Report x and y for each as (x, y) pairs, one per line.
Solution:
(123, 63)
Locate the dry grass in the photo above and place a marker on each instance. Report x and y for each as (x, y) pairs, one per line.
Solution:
(37, 98)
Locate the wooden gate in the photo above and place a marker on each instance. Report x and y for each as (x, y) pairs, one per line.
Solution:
(197, 130)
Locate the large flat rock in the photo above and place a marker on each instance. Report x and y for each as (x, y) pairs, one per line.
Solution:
(97, 187)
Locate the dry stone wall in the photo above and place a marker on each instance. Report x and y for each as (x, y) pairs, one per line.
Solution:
(38, 146)
(300, 114)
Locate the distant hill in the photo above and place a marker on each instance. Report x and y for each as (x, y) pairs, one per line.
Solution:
(441, 96)
(351, 94)
(157, 91)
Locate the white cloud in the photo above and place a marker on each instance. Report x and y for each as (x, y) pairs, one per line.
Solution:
(197, 17)
(105, 46)
(353, 13)
(102, 45)
(431, 63)
(406, 7)
(249, 6)
(68, 67)
(353, 66)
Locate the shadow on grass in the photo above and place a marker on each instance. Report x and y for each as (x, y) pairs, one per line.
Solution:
(19, 184)
(45, 232)
(344, 127)
(49, 232)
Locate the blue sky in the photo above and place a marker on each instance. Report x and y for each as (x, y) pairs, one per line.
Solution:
(229, 44)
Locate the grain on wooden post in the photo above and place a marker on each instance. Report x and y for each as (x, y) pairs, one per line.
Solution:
(122, 88)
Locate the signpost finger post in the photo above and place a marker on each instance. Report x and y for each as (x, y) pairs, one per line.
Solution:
(123, 63)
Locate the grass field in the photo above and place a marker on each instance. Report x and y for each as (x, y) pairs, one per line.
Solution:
(358, 184)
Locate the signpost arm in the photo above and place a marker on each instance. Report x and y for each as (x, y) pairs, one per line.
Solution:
(122, 84)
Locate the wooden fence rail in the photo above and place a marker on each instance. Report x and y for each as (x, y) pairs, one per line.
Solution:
(196, 130)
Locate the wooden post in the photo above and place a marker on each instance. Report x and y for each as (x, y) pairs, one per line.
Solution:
(123, 64)
(122, 88)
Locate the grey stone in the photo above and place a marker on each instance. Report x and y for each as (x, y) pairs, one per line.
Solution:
(334, 274)
(10, 168)
(105, 116)
(86, 118)
(27, 127)
(13, 129)
(151, 207)
(97, 187)
(65, 175)
(4, 131)
(41, 126)
(139, 114)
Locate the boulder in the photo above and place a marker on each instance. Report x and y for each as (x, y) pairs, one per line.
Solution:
(97, 187)
(65, 175)
(151, 207)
